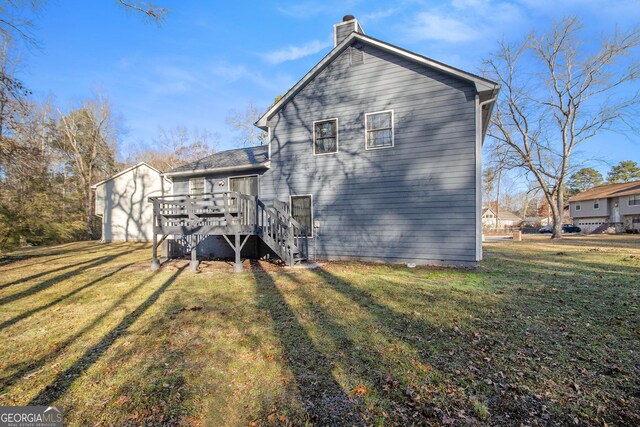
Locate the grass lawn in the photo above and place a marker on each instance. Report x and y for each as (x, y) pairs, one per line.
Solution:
(542, 333)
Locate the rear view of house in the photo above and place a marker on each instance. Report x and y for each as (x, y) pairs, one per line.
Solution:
(375, 152)
(614, 206)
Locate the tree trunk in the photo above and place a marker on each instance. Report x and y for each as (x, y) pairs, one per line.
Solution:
(498, 200)
(556, 210)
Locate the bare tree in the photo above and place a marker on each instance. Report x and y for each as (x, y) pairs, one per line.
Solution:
(556, 95)
(243, 122)
(497, 165)
(88, 138)
(175, 147)
(13, 103)
(15, 20)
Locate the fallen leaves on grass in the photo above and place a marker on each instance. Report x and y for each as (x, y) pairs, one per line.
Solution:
(359, 391)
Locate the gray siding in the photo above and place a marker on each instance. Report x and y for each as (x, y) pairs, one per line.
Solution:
(212, 181)
(415, 202)
(216, 246)
(587, 210)
(626, 209)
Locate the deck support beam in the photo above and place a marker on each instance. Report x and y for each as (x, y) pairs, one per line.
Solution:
(237, 266)
(155, 262)
(194, 264)
(237, 246)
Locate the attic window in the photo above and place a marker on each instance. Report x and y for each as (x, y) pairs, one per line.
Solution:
(356, 55)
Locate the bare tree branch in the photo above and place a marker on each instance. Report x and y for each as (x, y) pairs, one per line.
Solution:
(556, 95)
(150, 10)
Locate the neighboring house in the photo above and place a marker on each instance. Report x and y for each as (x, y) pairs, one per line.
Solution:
(613, 205)
(376, 151)
(505, 219)
(122, 203)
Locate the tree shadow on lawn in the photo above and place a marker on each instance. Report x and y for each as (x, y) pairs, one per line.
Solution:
(65, 380)
(47, 283)
(322, 397)
(35, 365)
(34, 253)
(501, 369)
(44, 273)
(60, 299)
(401, 386)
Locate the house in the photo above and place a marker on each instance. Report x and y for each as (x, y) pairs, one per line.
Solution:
(375, 153)
(505, 219)
(612, 205)
(121, 203)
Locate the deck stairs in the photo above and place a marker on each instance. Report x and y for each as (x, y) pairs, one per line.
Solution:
(230, 214)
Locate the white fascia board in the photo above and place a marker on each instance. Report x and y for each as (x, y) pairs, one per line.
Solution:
(263, 165)
(94, 186)
(481, 84)
(262, 121)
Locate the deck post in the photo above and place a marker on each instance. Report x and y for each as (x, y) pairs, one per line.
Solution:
(155, 264)
(237, 266)
(193, 265)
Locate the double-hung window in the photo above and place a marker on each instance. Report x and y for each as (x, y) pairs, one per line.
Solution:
(196, 186)
(634, 200)
(378, 130)
(325, 136)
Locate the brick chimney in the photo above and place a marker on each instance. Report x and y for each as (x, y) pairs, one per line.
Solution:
(342, 30)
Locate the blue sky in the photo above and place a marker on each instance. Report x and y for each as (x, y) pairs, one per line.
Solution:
(208, 58)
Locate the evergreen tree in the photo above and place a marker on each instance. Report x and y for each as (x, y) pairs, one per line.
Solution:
(624, 171)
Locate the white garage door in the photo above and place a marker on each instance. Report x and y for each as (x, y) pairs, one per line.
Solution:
(590, 224)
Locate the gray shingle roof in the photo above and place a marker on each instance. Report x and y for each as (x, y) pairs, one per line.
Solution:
(241, 157)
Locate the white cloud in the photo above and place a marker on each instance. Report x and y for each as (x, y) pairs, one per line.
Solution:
(466, 20)
(232, 73)
(302, 10)
(431, 26)
(381, 14)
(291, 53)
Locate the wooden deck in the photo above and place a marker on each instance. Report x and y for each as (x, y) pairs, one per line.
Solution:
(228, 214)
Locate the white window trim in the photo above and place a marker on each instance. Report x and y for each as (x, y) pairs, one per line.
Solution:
(312, 213)
(635, 198)
(393, 130)
(596, 204)
(313, 130)
(204, 186)
(229, 178)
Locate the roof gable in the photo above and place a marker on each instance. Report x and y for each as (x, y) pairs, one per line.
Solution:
(127, 170)
(481, 84)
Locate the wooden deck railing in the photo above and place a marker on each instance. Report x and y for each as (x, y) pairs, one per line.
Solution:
(230, 213)
(213, 213)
